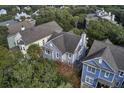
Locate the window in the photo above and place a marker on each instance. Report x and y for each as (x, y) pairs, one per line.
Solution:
(23, 48)
(89, 80)
(121, 74)
(106, 74)
(91, 69)
(47, 52)
(43, 42)
(69, 55)
(57, 54)
(117, 84)
(20, 48)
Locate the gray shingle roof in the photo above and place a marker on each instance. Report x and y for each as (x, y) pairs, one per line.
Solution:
(39, 32)
(113, 54)
(65, 41)
(17, 26)
(8, 22)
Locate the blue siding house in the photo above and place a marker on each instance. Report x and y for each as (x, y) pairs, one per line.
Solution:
(103, 66)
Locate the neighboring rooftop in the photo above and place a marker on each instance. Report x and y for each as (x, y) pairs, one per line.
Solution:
(16, 27)
(39, 32)
(65, 41)
(8, 22)
(113, 54)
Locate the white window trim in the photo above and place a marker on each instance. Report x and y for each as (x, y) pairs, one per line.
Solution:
(69, 55)
(46, 51)
(91, 71)
(106, 75)
(89, 78)
(122, 75)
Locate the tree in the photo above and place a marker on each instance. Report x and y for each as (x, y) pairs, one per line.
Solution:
(103, 29)
(76, 19)
(78, 31)
(3, 36)
(34, 51)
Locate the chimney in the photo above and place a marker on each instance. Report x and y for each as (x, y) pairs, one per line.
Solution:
(7, 24)
(109, 13)
(22, 28)
(113, 17)
(84, 39)
(100, 61)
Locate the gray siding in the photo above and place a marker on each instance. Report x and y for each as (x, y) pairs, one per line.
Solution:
(53, 51)
(11, 41)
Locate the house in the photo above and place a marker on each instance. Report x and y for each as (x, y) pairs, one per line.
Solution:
(23, 34)
(105, 15)
(18, 8)
(65, 47)
(3, 12)
(36, 13)
(100, 14)
(103, 66)
(27, 8)
(19, 16)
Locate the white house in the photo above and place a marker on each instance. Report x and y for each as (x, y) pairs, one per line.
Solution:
(27, 8)
(22, 14)
(101, 13)
(105, 15)
(3, 11)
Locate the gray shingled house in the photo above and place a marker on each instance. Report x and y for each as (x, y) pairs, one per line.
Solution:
(65, 47)
(23, 34)
(57, 45)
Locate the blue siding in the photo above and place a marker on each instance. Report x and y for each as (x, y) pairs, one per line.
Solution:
(100, 73)
(104, 65)
(92, 62)
(86, 73)
(109, 79)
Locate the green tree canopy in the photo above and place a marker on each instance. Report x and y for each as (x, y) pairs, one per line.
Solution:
(34, 51)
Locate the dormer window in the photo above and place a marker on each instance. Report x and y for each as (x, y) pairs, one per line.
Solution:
(51, 44)
(43, 42)
(47, 52)
(69, 55)
(121, 74)
(91, 69)
(106, 74)
(57, 54)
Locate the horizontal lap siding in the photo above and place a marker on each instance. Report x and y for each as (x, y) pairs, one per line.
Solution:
(95, 75)
(109, 79)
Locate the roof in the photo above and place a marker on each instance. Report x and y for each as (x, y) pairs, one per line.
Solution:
(17, 26)
(8, 22)
(65, 41)
(39, 32)
(113, 54)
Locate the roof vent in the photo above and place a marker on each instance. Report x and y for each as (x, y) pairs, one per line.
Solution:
(7, 24)
(100, 61)
(22, 28)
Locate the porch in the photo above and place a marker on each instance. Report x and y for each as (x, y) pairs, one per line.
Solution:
(103, 84)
